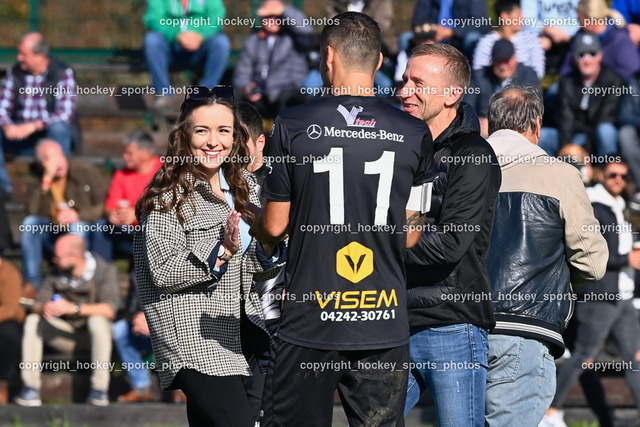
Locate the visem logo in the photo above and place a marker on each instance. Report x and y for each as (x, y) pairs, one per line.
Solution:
(351, 117)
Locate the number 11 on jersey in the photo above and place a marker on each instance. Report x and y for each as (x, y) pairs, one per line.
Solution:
(333, 163)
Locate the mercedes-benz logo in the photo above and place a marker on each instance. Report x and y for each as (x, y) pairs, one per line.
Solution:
(314, 131)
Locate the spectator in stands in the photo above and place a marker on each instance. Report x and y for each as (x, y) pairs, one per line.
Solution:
(618, 51)
(588, 102)
(197, 41)
(75, 305)
(380, 10)
(273, 62)
(605, 307)
(11, 318)
(437, 18)
(577, 156)
(37, 100)
(555, 22)
(127, 185)
(630, 10)
(131, 337)
(504, 69)
(526, 43)
(629, 135)
(67, 197)
(404, 54)
(542, 238)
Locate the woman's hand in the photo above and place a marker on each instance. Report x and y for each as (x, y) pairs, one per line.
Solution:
(231, 239)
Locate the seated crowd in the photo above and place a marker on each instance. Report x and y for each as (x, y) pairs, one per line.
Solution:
(81, 220)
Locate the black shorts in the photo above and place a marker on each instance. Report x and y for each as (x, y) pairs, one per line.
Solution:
(301, 383)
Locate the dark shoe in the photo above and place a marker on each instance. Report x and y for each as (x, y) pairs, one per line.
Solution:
(98, 398)
(28, 397)
(136, 395)
(178, 396)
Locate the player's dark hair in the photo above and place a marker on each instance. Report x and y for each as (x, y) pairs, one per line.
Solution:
(456, 68)
(172, 179)
(505, 6)
(250, 118)
(356, 39)
(515, 108)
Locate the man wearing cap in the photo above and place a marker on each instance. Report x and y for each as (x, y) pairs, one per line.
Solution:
(504, 69)
(618, 50)
(589, 100)
(273, 62)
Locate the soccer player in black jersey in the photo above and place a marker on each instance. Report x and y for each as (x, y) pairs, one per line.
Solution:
(343, 172)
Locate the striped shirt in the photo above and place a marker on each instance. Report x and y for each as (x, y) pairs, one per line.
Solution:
(526, 44)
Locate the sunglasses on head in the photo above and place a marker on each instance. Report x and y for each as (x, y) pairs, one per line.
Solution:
(198, 93)
(583, 54)
(613, 175)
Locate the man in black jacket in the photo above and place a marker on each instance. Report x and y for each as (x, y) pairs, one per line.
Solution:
(448, 286)
(589, 100)
(605, 307)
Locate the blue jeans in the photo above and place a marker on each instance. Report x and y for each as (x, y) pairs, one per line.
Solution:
(38, 232)
(605, 139)
(452, 362)
(521, 381)
(58, 131)
(160, 54)
(129, 346)
(106, 241)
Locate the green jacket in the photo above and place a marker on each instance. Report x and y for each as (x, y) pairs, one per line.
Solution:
(169, 19)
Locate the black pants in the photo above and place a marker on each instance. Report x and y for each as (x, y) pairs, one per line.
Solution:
(11, 338)
(301, 382)
(214, 401)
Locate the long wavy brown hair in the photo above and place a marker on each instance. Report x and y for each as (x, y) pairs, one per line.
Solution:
(171, 178)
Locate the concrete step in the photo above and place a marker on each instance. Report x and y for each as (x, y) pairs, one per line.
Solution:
(175, 415)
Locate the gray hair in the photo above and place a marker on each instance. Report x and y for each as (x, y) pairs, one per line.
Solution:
(141, 138)
(515, 108)
(40, 45)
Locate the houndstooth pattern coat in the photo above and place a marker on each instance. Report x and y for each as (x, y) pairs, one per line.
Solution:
(194, 319)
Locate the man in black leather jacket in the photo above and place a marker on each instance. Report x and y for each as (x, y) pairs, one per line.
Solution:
(544, 237)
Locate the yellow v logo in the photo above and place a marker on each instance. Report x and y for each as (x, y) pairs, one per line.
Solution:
(354, 262)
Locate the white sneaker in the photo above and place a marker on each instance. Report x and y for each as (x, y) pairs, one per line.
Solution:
(554, 420)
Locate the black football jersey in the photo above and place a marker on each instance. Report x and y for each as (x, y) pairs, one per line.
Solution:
(346, 164)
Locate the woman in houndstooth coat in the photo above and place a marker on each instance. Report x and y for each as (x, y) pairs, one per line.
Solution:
(195, 261)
